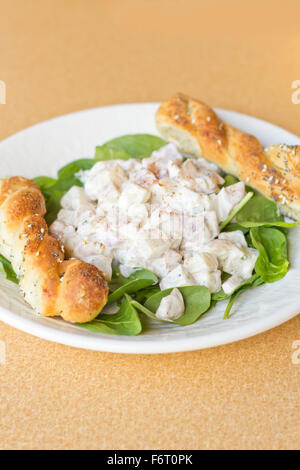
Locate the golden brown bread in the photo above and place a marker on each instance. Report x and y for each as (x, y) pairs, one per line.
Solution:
(75, 290)
(196, 129)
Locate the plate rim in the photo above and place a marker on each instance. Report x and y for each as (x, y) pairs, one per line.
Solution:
(91, 343)
(156, 346)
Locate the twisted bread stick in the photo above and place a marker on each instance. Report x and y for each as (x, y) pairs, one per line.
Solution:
(75, 290)
(196, 129)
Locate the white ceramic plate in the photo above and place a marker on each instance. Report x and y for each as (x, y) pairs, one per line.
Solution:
(42, 149)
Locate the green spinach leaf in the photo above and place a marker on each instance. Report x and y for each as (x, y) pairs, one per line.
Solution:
(141, 308)
(138, 280)
(257, 281)
(272, 263)
(233, 226)
(235, 211)
(125, 322)
(104, 152)
(248, 282)
(229, 180)
(45, 183)
(253, 281)
(278, 223)
(66, 175)
(259, 209)
(196, 300)
(259, 212)
(53, 190)
(142, 295)
(129, 146)
(7, 270)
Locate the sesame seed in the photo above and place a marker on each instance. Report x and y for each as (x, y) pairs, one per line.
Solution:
(219, 141)
(208, 118)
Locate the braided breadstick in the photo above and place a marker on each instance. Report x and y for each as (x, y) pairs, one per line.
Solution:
(75, 290)
(196, 129)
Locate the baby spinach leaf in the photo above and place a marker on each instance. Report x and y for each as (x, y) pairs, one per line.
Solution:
(196, 300)
(278, 223)
(144, 310)
(248, 282)
(139, 273)
(229, 180)
(66, 175)
(7, 270)
(235, 211)
(125, 322)
(259, 209)
(53, 205)
(272, 263)
(258, 212)
(138, 280)
(142, 295)
(247, 285)
(46, 186)
(253, 281)
(119, 280)
(53, 190)
(129, 146)
(233, 226)
(44, 182)
(104, 152)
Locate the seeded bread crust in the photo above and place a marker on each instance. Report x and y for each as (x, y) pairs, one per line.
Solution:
(195, 128)
(75, 290)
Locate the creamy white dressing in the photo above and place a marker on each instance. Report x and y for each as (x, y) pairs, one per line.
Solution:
(171, 307)
(231, 284)
(162, 213)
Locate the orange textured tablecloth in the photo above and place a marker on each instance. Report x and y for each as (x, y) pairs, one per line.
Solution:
(61, 56)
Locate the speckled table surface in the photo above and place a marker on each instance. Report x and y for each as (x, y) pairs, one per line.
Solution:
(57, 57)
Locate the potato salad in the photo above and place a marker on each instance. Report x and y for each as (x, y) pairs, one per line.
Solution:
(162, 213)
